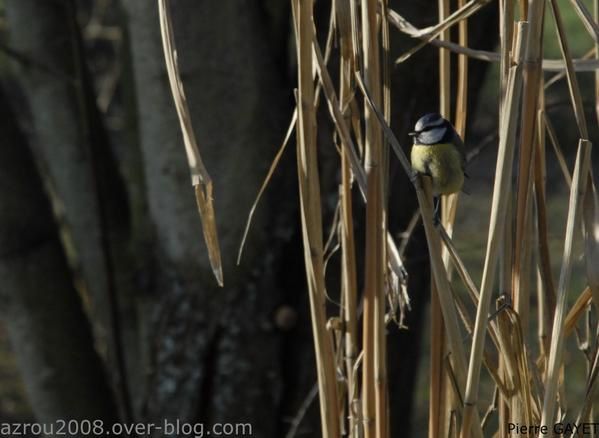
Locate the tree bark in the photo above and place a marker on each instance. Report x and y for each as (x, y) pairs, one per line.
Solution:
(71, 147)
(43, 313)
(215, 353)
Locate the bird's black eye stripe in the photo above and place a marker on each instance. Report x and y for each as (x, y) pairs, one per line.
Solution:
(430, 127)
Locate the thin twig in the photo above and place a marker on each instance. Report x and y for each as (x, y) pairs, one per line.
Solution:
(301, 412)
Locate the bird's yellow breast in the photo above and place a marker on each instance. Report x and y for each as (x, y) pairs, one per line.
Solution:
(443, 163)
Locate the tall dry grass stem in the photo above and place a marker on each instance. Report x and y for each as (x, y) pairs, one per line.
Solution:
(503, 173)
(311, 218)
(579, 182)
(351, 367)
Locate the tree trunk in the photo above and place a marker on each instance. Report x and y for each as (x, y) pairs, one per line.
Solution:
(43, 313)
(71, 148)
(215, 353)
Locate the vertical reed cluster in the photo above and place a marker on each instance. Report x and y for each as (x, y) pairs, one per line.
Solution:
(526, 372)
(351, 363)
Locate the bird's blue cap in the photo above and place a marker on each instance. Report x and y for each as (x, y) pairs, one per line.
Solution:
(428, 121)
(430, 129)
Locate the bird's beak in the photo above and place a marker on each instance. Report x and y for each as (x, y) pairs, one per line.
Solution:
(412, 134)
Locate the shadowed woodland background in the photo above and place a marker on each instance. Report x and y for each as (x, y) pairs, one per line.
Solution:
(106, 294)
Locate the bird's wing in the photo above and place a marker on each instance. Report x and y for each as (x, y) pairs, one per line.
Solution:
(457, 141)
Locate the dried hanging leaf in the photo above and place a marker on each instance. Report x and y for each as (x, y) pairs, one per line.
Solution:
(199, 175)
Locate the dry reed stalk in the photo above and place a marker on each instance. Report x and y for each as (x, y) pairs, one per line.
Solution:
(579, 182)
(448, 210)
(348, 253)
(559, 76)
(587, 19)
(590, 213)
(505, 253)
(570, 73)
(394, 260)
(502, 409)
(518, 382)
(507, 43)
(577, 309)
(386, 70)
(558, 150)
(591, 232)
(199, 175)
(532, 76)
(349, 288)
(440, 399)
(506, 32)
(428, 34)
(521, 406)
(546, 297)
(501, 190)
(590, 218)
(444, 65)
(541, 196)
(356, 33)
(524, 277)
(267, 178)
(437, 376)
(522, 401)
(523, 9)
(488, 355)
(461, 110)
(522, 317)
(450, 202)
(505, 278)
(590, 207)
(596, 17)
(388, 280)
(374, 380)
(424, 196)
(592, 388)
(466, 279)
(340, 125)
(456, 351)
(583, 64)
(555, 65)
(275, 162)
(492, 407)
(310, 210)
(448, 20)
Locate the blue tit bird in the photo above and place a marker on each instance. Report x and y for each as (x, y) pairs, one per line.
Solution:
(439, 152)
